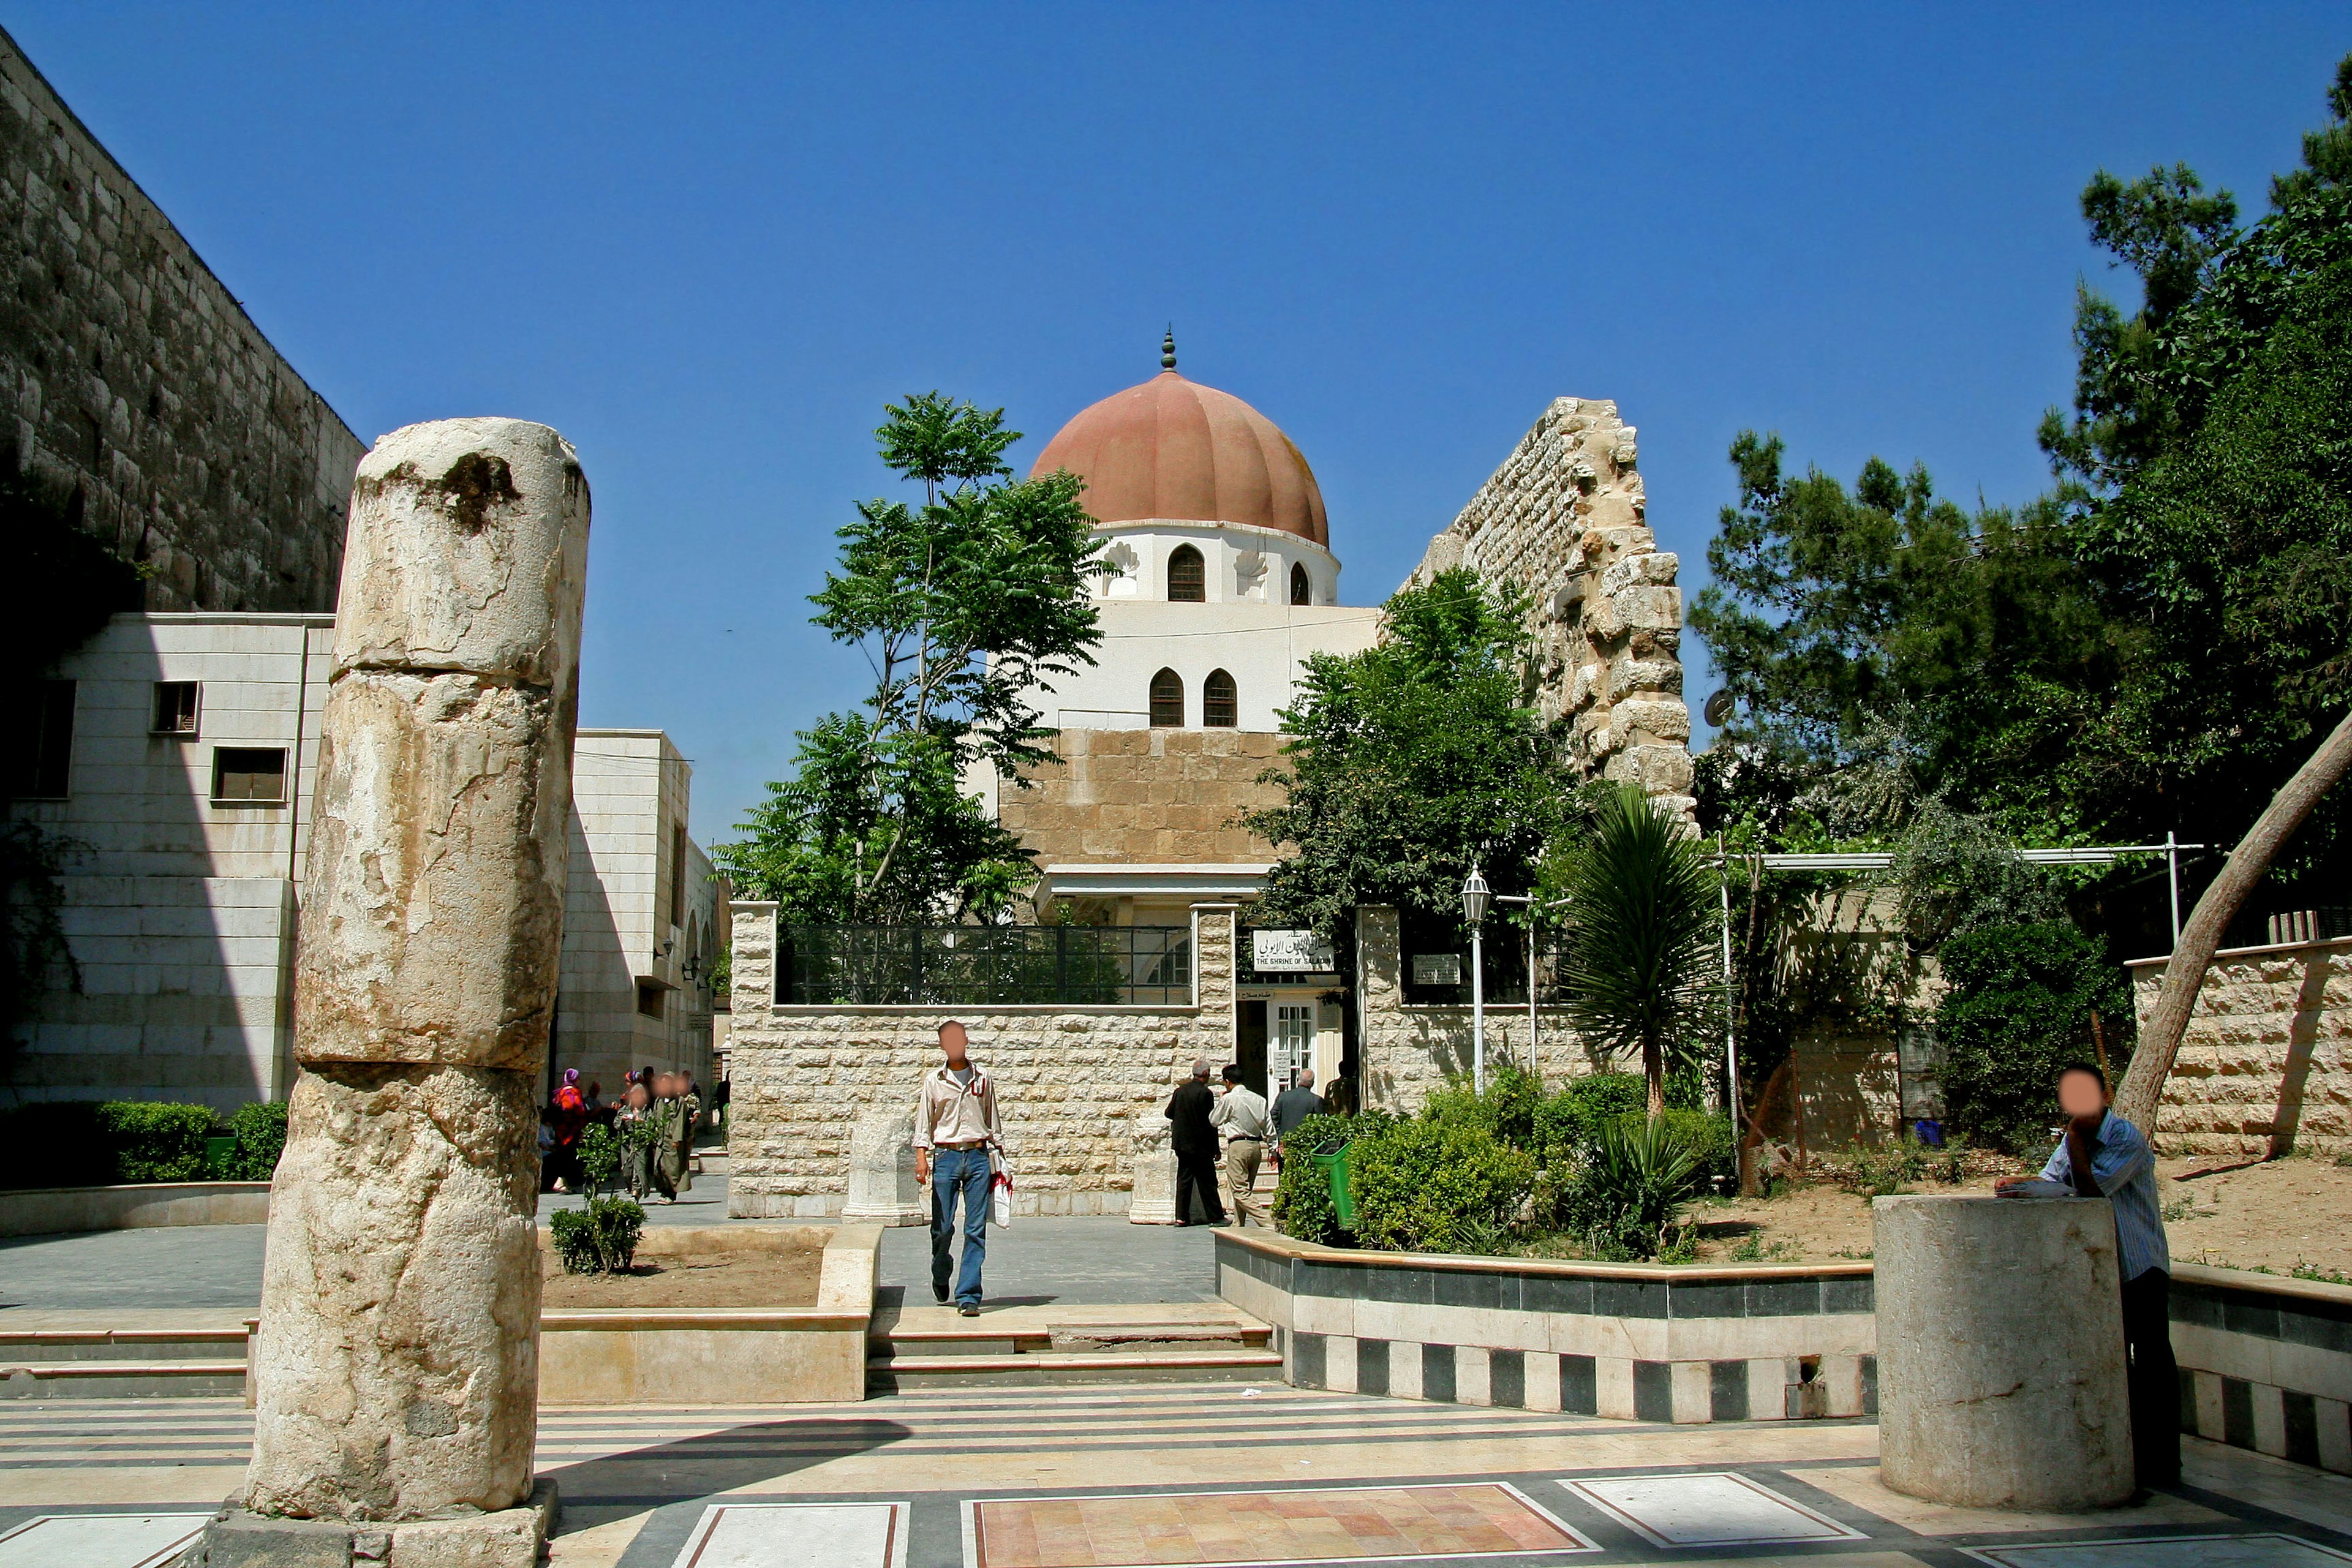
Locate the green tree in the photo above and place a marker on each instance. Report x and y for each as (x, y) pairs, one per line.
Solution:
(1411, 762)
(1639, 929)
(963, 605)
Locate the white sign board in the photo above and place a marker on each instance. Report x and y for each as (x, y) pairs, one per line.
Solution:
(1437, 969)
(1294, 952)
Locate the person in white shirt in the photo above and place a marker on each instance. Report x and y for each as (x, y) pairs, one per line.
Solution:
(1240, 1115)
(956, 1125)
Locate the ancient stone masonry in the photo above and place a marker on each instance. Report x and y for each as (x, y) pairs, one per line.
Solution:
(395, 1371)
(1407, 1051)
(2266, 1067)
(138, 393)
(1151, 796)
(1562, 521)
(1072, 1080)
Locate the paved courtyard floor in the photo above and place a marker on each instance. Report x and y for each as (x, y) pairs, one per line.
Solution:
(1223, 1473)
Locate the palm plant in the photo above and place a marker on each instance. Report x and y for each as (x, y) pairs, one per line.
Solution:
(1637, 952)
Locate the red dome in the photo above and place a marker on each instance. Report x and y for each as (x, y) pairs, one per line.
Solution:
(1172, 449)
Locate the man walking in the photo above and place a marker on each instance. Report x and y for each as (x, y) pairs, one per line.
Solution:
(956, 1126)
(2102, 1155)
(1297, 1103)
(1194, 1138)
(1240, 1115)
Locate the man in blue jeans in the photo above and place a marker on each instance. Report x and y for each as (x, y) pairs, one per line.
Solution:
(956, 1127)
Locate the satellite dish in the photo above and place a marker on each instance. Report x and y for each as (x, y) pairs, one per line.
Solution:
(1721, 707)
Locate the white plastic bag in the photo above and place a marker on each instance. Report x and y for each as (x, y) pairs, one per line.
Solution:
(1000, 1199)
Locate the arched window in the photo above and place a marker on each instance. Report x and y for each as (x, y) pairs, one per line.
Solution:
(1302, 590)
(1168, 699)
(1188, 579)
(1220, 703)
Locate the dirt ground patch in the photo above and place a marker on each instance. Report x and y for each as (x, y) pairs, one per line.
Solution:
(714, 1278)
(2234, 1213)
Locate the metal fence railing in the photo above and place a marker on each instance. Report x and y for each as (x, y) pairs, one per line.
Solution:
(979, 966)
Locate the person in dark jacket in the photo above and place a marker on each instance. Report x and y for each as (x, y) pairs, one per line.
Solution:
(1195, 1142)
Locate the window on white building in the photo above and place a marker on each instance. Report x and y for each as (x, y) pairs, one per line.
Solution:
(176, 707)
(1167, 700)
(1302, 587)
(1220, 702)
(44, 764)
(250, 775)
(1188, 578)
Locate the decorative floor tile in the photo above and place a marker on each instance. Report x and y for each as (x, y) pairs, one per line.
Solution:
(2171, 1552)
(1262, 1529)
(1709, 1509)
(798, 1535)
(99, 1539)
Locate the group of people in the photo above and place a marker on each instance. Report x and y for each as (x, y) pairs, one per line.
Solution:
(656, 1163)
(1251, 1130)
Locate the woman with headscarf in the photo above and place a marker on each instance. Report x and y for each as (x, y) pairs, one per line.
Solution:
(569, 1110)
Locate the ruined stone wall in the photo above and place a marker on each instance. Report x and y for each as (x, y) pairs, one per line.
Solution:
(137, 393)
(1561, 520)
(1149, 797)
(2266, 1066)
(1070, 1081)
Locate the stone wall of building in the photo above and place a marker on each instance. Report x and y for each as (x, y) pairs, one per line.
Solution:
(1405, 1051)
(1071, 1080)
(137, 393)
(1562, 521)
(1154, 798)
(2266, 1066)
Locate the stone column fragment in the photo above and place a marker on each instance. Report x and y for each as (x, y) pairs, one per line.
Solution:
(882, 1185)
(2000, 1352)
(396, 1368)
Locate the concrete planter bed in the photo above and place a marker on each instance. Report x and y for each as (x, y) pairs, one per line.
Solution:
(2265, 1363)
(671, 1355)
(49, 1211)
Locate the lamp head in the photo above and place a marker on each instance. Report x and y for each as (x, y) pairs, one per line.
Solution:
(1475, 898)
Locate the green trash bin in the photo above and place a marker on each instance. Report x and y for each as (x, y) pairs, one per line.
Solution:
(218, 1153)
(1331, 1159)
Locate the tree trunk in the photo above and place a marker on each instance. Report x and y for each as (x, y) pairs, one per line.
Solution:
(2168, 1021)
(1654, 1068)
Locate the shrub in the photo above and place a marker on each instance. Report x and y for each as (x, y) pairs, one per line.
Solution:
(1715, 1153)
(154, 1142)
(599, 1239)
(1889, 1168)
(2020, 1009)
(259, 1127)
(1302, 1198)
(55, 1143)
(1571, 1119)
(1436, 1185)
(1631, 1187)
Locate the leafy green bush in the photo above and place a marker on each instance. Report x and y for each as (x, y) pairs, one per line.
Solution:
(1505, 1112)
(1715, 1153)
(1889, 1168)
(1571, 1119)
(2020, 1009)
(259, 1127)
(1302, 1198)
(1436, 1185)
(155, 1142)
(1630, 1188)
(599, 1239)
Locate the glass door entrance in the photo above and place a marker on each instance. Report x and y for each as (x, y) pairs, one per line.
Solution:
(1290, 1044)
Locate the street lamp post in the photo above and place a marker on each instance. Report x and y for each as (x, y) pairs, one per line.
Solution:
(1476, 896)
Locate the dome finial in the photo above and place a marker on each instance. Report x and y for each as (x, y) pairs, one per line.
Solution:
(1167, 349)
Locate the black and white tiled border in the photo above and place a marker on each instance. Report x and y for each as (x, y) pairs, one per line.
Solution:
(2266, 1367)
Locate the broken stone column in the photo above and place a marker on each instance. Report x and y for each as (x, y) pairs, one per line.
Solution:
(396, 1366)
(2000, 1352)
(882, 1185)
(1151, 1199)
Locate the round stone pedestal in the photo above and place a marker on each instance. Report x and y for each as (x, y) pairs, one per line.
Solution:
(2000, 1352)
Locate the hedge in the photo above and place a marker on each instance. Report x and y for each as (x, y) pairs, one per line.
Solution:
(105, 1143)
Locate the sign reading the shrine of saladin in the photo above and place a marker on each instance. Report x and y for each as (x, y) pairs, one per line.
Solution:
(1295, 951)
(1437, 969)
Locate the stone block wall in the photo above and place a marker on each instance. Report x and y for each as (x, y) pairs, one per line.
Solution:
(1163, 797)
(1071, 1080)
(2266, 1066)
(137, 393)
(1562, 521)
(1404, 1052)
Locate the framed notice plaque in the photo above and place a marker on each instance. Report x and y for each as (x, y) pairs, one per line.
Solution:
(1437, 969)
(1290, 953)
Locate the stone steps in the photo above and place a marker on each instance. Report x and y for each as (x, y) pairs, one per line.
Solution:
(118, 1364)
(938, 1349)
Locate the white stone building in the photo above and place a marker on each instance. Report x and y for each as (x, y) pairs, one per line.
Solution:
(173, 767)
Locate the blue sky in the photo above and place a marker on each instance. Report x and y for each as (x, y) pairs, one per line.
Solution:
(707, 242)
